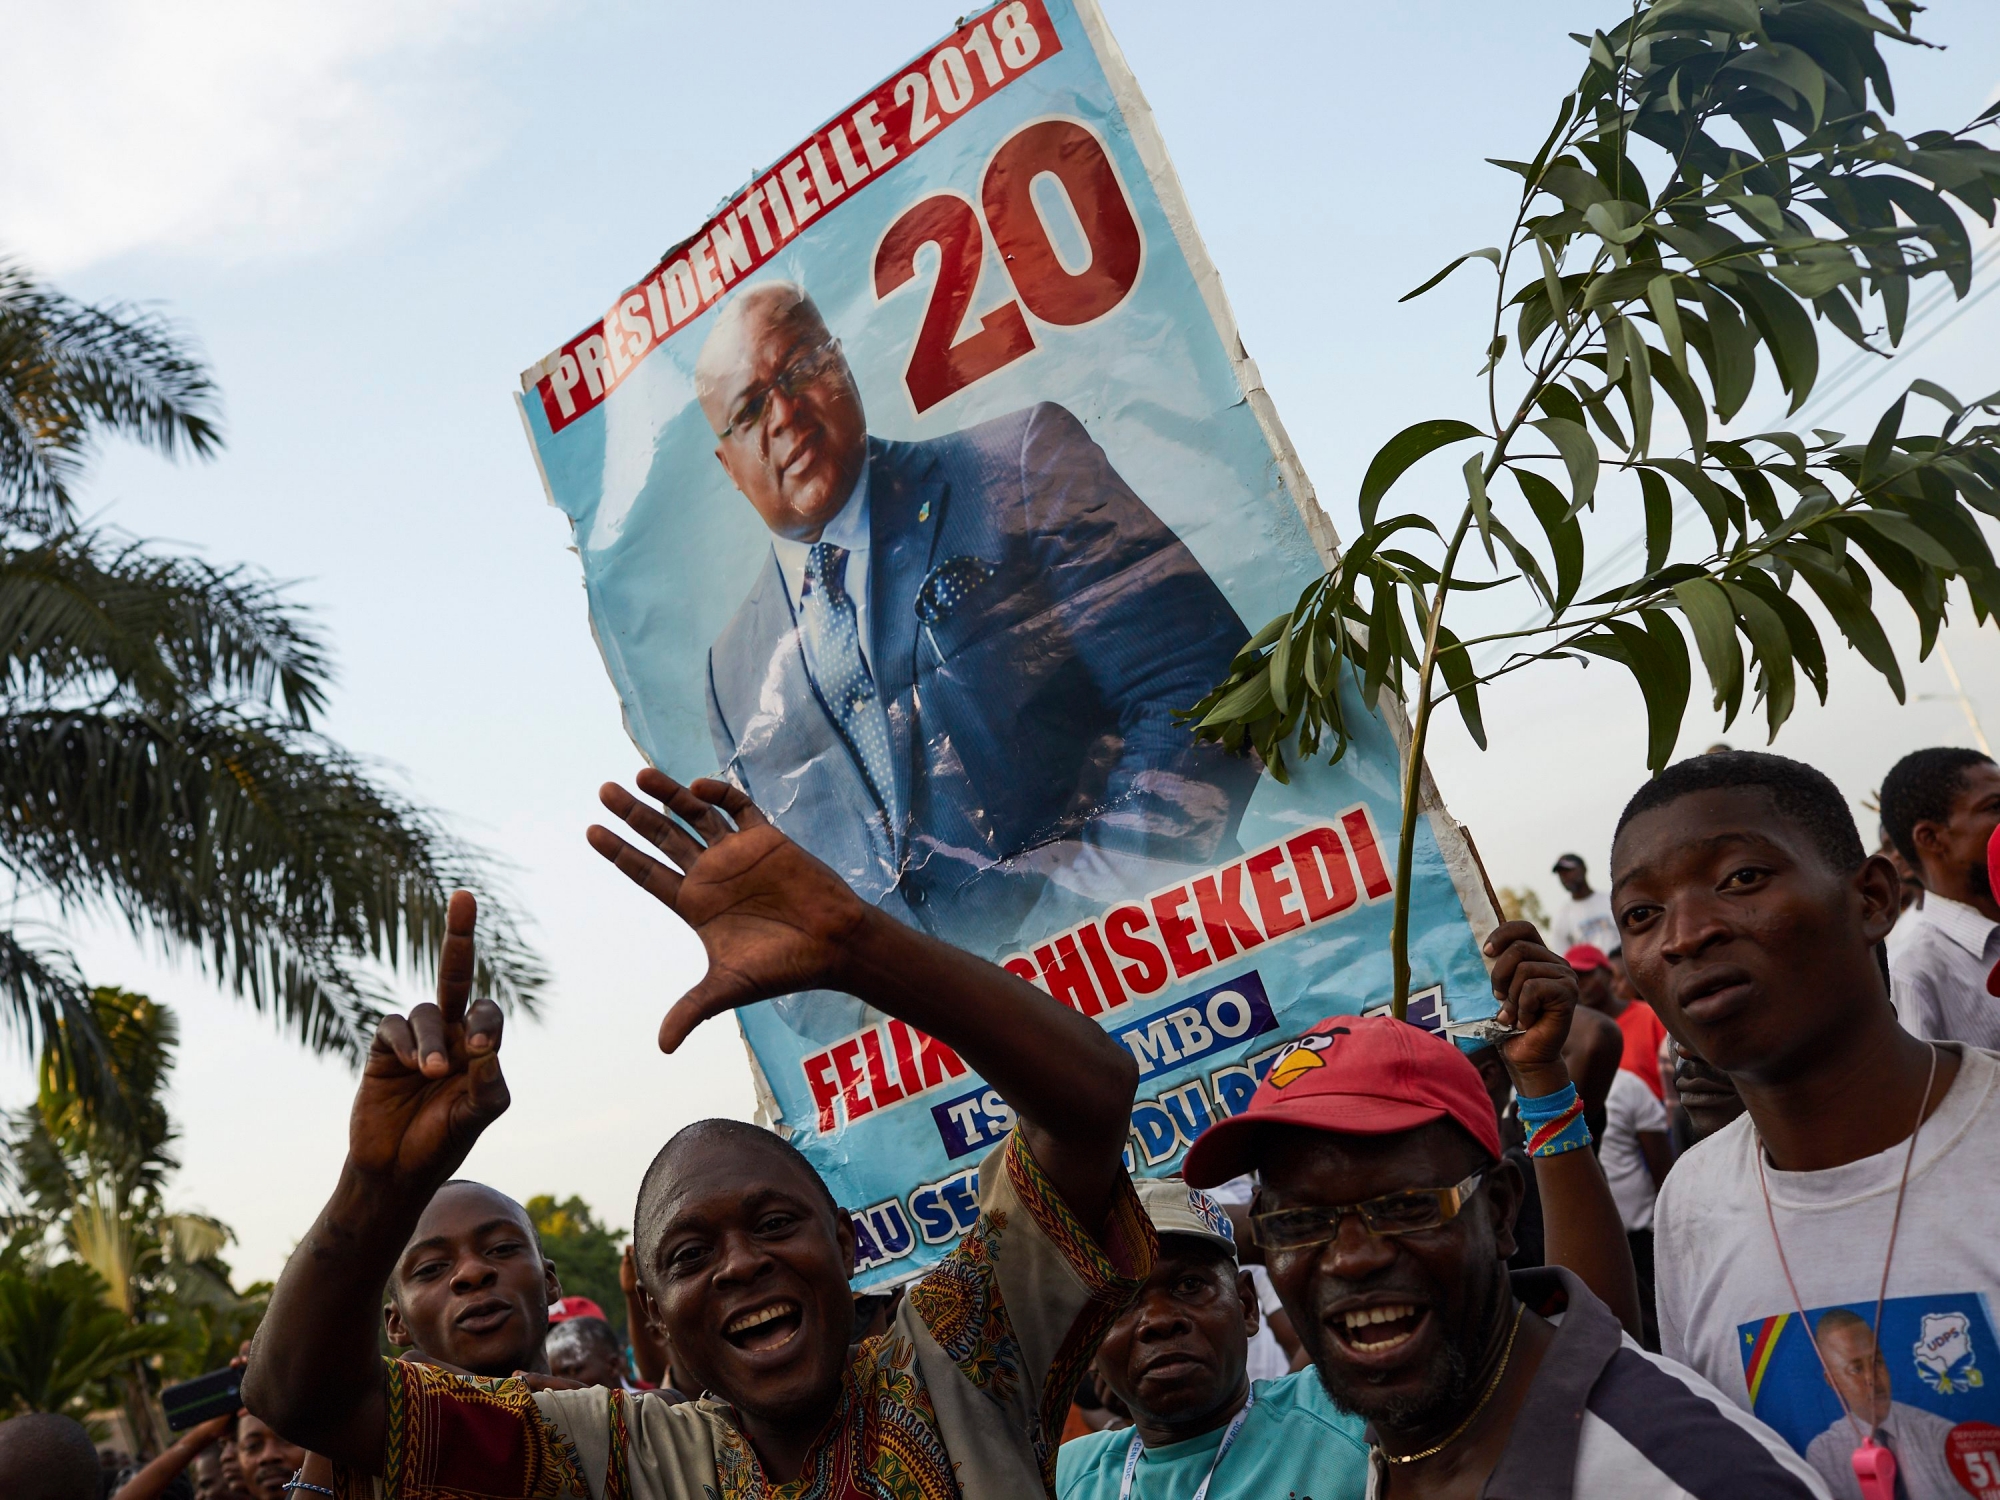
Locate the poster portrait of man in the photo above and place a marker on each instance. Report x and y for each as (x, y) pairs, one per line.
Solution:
(956, 673)
(1859, 1373)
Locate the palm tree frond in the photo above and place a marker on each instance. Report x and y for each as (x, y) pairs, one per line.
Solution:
(43, 997)
(70, 371)
(266, 849)
(82, 614)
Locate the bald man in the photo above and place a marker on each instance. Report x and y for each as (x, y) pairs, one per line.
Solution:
(956, 671)
(46, 1457)
(472, 1288)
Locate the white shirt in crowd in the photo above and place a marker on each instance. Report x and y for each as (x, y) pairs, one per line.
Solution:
(1726, 1310)
(1630, 1110)
(1940, 973)
(1585, 921)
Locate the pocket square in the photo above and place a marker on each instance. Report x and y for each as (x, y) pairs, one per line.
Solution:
(949, 585)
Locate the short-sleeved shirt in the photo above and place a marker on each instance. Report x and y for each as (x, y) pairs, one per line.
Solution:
(1294, 1443)
(1941, 971)
(1644, 1031)
(965, 1395)
(1629, 1113)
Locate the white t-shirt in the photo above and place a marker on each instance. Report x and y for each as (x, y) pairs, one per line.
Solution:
(1630, 1109)
(1726, 1310)
(1585, 921)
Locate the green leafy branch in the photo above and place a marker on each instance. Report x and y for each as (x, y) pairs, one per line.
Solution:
(1786, 203)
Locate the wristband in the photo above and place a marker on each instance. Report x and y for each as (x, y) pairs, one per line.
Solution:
(298, 1481)
(1554, 1122)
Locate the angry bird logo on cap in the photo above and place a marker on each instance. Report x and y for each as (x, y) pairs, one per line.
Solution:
(1301, 1058)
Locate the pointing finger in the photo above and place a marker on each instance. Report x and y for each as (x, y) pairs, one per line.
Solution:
(455, 957)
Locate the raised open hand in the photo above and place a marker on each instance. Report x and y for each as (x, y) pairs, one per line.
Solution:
(773, 919)
(432, 1081)
(1537, 993)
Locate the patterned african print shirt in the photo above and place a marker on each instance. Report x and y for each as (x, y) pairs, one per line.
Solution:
(965, 1395)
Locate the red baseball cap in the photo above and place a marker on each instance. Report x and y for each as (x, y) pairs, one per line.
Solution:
(1993, 874)
(1586, 956)
(1352, 1075)
(575, 1307)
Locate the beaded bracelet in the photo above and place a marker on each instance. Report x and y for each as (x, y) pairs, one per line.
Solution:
(298, 1481)
(1555, 1122)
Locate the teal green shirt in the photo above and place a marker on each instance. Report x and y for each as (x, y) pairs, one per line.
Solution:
(1294, 1445)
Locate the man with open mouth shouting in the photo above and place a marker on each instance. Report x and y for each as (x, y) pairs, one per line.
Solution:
(743, 1256)
(1385, 1212)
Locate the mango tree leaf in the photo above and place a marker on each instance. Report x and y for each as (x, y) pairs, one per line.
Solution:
(1489, 253)
(1807, 649)
(1667, 312)
(1402, 450)
(1687, 400)
(1787, 332)
(1853, 615)
(1773, 650)
(1708, 610)
(1790, 67)
(1579, 456)
(1737, 16)
(1456, 665)
(1565, 534)
(1882, 442)
(1733, 362)
(1659, 504)
(1706, 492)
(1616, 220)
(1907, 534)
(1669, 676)
(1475, 489)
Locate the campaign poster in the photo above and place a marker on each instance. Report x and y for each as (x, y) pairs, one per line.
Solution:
(917, 493)
(1925, 1387)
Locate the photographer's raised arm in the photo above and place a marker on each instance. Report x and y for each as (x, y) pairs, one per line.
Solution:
(775, 921)
(431, 1084)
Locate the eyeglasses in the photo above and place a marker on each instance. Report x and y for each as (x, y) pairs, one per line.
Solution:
(1409, 1212)
(802, 370)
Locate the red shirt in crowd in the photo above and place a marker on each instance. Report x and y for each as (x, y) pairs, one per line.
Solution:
(1643, 1035)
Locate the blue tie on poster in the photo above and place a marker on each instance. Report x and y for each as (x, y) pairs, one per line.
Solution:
(918, 492)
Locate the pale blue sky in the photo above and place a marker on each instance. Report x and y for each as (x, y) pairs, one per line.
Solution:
(374, 220)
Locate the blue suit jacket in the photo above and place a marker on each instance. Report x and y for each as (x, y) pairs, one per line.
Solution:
(1029, 703)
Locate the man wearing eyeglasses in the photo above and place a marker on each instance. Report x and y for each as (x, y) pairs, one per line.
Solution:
(1385, 1215)
(956, 672)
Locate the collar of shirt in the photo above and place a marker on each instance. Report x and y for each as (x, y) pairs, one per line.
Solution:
(847, 531)
(1964, 925)
(1540, 1459)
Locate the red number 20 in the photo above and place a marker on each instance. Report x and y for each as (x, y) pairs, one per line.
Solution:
(942, 362)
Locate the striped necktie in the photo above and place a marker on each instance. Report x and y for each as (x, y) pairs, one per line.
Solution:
(833, 653)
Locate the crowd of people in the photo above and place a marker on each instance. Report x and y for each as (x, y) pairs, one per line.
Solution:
(1709, 1217)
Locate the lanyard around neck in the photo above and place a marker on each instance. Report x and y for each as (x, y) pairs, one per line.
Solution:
(1138, 1447)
